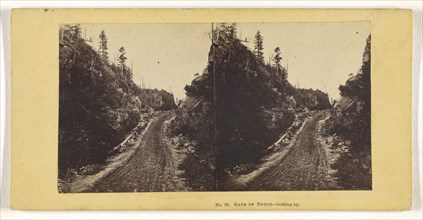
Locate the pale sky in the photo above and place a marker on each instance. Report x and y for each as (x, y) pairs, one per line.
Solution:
(166, 56)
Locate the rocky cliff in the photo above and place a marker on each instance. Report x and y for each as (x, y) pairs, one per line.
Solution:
(350, 124)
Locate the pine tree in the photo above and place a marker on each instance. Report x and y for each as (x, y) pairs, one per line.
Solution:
(103, 46)
(277, 59)
(258, 46)
(122, 57)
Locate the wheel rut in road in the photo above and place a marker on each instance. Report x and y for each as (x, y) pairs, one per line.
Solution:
(150, 169)
(304, 168)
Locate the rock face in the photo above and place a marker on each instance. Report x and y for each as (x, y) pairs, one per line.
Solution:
(312, 99)
(352, 112)
(194, 122)
(253, 106)
(350, 120)
(156, 99)
(194, 117)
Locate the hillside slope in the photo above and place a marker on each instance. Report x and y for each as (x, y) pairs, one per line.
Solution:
(98, 103)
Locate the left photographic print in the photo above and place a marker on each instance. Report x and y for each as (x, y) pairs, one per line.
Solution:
(114, 122)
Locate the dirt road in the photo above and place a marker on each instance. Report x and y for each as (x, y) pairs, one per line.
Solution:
(304, 168)
(150, 169)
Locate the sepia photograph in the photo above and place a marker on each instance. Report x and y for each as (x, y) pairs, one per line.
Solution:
(189, 107)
